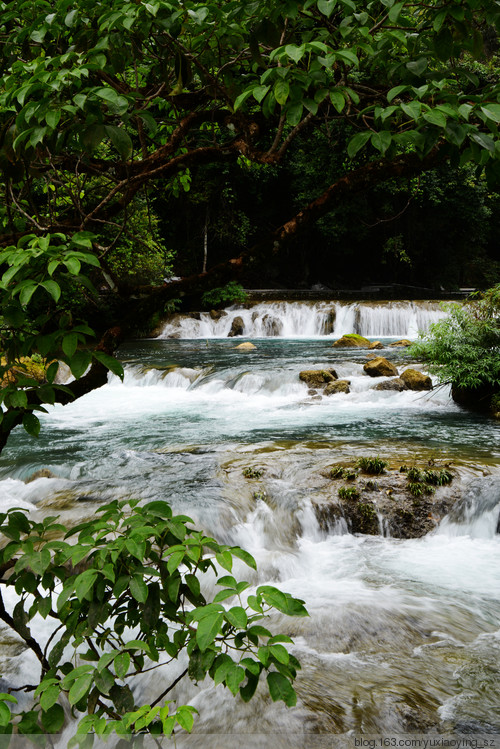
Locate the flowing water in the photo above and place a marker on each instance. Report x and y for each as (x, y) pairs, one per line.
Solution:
(403, 635)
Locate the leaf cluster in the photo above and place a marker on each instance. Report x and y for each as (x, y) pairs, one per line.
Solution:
(125, 592)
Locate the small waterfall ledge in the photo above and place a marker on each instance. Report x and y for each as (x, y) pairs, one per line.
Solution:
(308, 320)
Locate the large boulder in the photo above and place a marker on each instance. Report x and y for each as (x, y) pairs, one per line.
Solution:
(415, 380)
(317, 378)
(237, 327)
(337, 386)
(380, 367)
(272, 325)
(396, 384)
(352, 340)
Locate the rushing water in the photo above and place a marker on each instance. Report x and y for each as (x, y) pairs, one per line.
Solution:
(403, 635)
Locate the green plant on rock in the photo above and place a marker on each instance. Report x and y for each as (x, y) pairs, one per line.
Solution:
(375, 466)
(438, 478)
(340, 472)
(418, 489)
(349, 492)
(253, 473)
(137, 605)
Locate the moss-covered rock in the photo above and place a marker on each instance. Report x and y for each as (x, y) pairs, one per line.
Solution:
(415, 380)
(380, 367)
(337, 386)
(317, 378)
(404, 342)
(352, 340)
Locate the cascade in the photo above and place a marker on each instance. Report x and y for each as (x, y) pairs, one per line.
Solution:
(310, 320)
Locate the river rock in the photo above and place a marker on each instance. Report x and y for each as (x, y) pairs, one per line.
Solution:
(375, 344)
(247, 346)
(43, 473)
(237, 327)
(395, 384)
(272, 325)
(337, 386)
(380, 367)
(317, 378)
(403, 342)
(216, 314)
(352, 340)
(415, 380)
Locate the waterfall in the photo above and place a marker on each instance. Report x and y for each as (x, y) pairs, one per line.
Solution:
(309, 320)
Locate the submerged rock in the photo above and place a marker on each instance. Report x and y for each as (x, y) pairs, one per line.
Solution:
(237, 327)
(352, 340)
(247, 346)
(415, 380)
(337, 386)
(317, 378)
(395, 384)
(43, 473)
(380, 367)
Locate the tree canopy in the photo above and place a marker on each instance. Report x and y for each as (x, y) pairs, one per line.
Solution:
(102, 104)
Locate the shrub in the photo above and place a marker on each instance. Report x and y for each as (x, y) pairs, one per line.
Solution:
(138, 597)
(223, 295)
(375, 466)
(438, 478)
(464, 348)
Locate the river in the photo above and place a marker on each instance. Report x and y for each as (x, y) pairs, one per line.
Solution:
(403, 635)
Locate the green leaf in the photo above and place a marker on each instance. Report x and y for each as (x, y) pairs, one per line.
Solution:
(138, 588)
(347, 55)
(235, 676)
(280, 653)
(80, 362)
(52, 288)
(294, 112)
(259, 92)
(281, 689)
(175, 560)
(208, 629)
(237, 617)
(357, 142)
(26, 293)
(122, 664)
(326, 7)
(31, 424)
(80, 688)
(281, 91)
(417, 67)
(109, 362)
(84, 583)
(395, 12)
(338, 100)
(294, 52)
(69, 344)
(53, 719)
(412, 109)
(121, 140)
(435, 117)
(381, 141)
(492, 111)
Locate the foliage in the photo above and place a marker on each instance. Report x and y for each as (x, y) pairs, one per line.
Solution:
(464, 347)
(372, 465)
(228, 294)
(37, 272)
(418, 489)
(125, 592)
(348, 492)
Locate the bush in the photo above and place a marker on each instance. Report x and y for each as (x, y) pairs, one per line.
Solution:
(223, 295)
(136, 603)
(464, 348)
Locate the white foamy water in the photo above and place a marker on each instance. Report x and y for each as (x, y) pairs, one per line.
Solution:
(309, 320)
